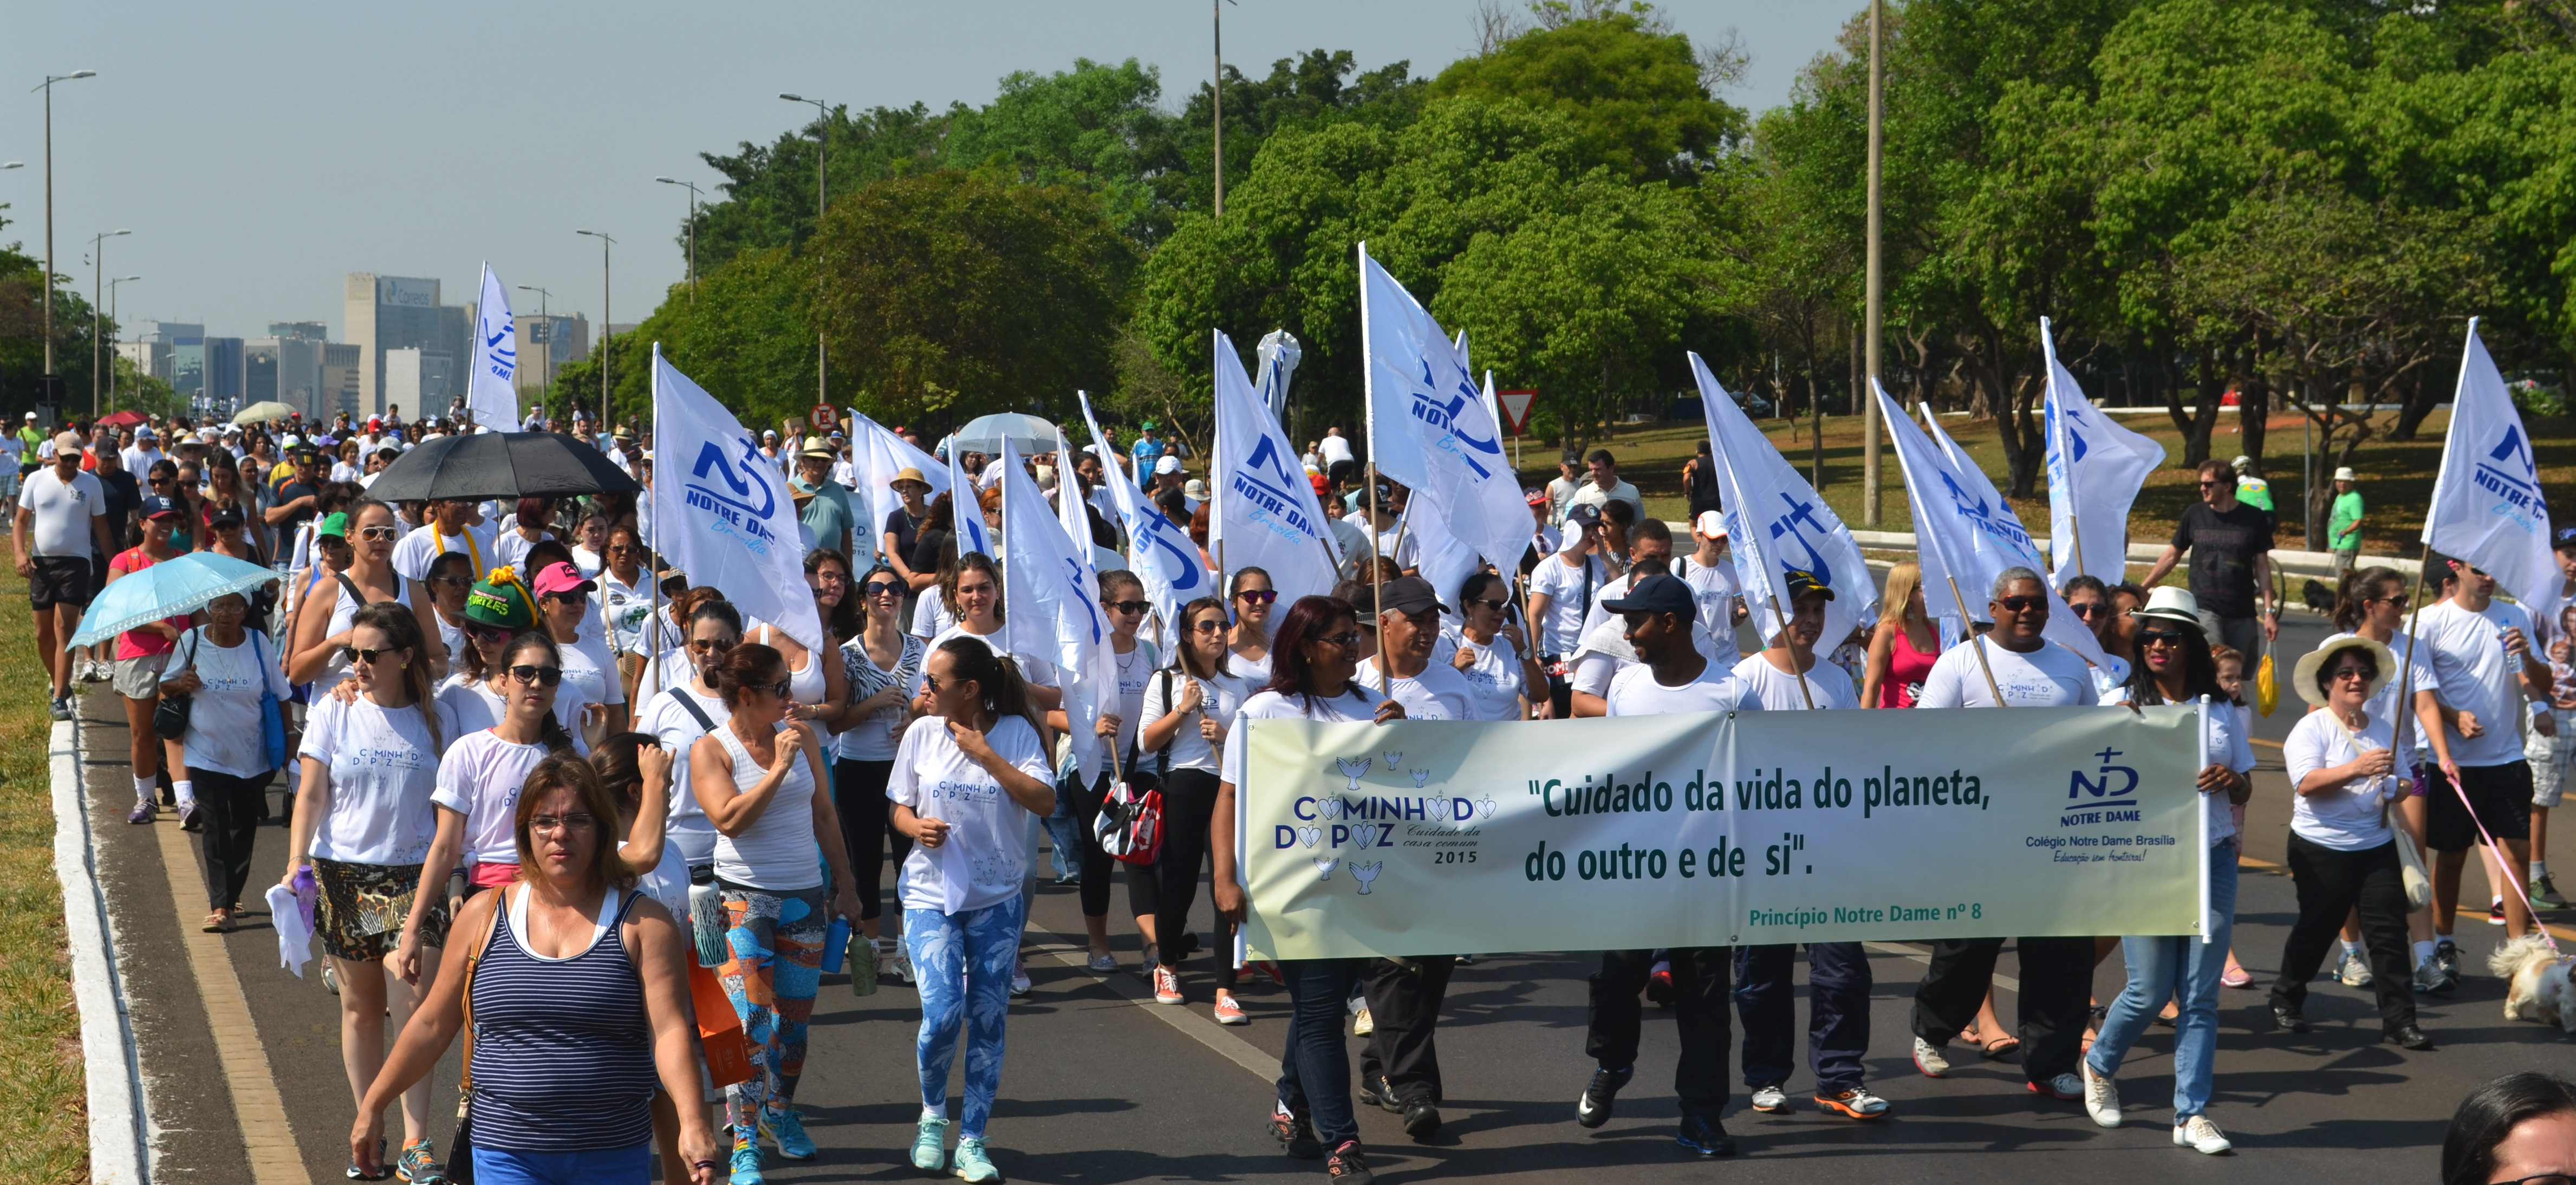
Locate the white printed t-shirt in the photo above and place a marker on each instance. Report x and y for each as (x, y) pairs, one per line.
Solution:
(986, 853)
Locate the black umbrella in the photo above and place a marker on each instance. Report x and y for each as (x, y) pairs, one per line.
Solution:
(500, 465)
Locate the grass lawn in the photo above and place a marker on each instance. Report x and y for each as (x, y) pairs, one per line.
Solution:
(2396, 479)
(41, 1084)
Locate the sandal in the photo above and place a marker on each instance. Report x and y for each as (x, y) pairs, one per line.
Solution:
(219, 922)
(2169, 1015)
(1999, 1045)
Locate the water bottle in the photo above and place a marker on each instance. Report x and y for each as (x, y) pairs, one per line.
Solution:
(308, 894)
(707, 917)
(863, 967)
(835, 940)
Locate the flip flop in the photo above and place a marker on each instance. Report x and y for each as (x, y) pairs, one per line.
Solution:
(1998, 1047)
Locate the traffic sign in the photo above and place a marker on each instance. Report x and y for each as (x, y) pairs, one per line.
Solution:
(1516, 408)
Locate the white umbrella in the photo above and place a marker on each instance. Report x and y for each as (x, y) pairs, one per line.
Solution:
(1027, 433)
(259, 413)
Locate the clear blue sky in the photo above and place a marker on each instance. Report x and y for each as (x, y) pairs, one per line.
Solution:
(260, 150)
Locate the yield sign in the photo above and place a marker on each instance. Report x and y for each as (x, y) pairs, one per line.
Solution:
(1516, 408)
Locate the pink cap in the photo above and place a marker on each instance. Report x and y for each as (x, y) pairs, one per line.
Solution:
(560, 577)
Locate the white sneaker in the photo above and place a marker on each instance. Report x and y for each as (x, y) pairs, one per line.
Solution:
(1930, 1060)
(898, 964)
(2101, 1095)
(2428, 976)
(2352, 970)
(1770, 1099)
(1019, 979)
(2200, 1135)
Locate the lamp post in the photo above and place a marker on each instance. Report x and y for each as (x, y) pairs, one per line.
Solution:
(1869, 474)
(111, 319)
(546, 385)
(693, 231)
(822, 142)
(97, 257)
(51, 379)
(1216, 125)
(605, 337)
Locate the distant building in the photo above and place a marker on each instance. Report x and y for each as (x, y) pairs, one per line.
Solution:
(342, 364)
(207, 368)
(311, 331)
(390, 315)
(150, 345)
(546, 345)
(289, 370)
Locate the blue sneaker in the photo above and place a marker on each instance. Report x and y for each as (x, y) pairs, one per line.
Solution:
(746, 1158)
(971, 1164)
(930, 1145)
(788, 1132)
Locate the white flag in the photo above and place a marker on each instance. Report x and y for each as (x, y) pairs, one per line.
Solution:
(1278, 353)
(1054, 604)
(488, 390)
(723, 510)
(2095, 469)
(1159, 551)
(2487, 504)
(966, 512)
(1428, 422)
(1266, 516)
(876, 455)
(1778, 524)
(1965, 532)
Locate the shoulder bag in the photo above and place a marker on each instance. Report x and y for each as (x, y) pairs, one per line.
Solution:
(170, 714)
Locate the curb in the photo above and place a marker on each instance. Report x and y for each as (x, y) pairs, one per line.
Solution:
(117, 1153)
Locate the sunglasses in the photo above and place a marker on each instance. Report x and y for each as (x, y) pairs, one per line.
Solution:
(1346, 639)
(1210, 626)
(2089, 609)
(537, 675)
(2211, 485)
(2022, 604)
(718, 645)
(1257, 597)
(778, 688)
(380, 534)
(882, 588)
(929, 682)
(487, 635)
(2342, 673)
(369, 657)
(2160, 638)
(1127, 606)
(1495, 605)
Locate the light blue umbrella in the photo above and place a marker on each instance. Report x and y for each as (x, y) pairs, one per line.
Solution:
(172, 588)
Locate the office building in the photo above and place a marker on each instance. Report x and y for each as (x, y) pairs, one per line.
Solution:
(150, 345)
(288, 370)
(546, 345)
(311, 331)
(389, 315)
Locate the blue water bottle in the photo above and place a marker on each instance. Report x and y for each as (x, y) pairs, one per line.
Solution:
(835, 940)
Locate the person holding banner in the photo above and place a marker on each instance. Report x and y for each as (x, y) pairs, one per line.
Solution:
(1670, 675)
(1188, 728)
(963, 788)
(1312, 678)
(2175, 667)
(2012, 666)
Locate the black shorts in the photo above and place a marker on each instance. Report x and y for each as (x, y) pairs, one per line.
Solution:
(2502, 795)
(62, 581)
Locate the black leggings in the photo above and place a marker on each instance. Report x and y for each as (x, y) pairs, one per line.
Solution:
(1096, 863)
(858, 793)
(232, 808)
(1189, 802)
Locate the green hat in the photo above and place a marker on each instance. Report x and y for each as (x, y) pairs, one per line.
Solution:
(501, 601)
(334, 525)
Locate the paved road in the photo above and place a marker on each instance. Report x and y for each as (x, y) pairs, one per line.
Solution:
(1100, 1089)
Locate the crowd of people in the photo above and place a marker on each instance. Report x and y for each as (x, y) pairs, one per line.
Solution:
(522, 698)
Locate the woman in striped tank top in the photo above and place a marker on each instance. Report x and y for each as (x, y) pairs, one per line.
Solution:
(580, 1003)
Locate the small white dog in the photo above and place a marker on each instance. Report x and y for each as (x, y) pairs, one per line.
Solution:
(2537, 982)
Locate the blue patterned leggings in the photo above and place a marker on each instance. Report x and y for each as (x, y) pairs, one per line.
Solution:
(963, 964)
(775, 966)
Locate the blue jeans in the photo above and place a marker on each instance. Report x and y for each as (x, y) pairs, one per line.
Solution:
(2185, 970)
(962, 963)
(1066, 852)
(634, 1166)
(1315, 1065)
(1838, 983)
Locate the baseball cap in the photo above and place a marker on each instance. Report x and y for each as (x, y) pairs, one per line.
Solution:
(1169, 464)
(225, 519)
(1583, 517)
(500, 601)
(155, 506)
(1534, 496)
(334, 526)
(66, 442)
(1710, 524)
(1801, 582)
(2562, 539)
(1656, 594)
(1408, 595)
(146, 433)
(560, 577)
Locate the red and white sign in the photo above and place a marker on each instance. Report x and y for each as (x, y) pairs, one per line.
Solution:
(1516, 408)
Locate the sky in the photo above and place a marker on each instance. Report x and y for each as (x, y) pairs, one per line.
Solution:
(261, 151)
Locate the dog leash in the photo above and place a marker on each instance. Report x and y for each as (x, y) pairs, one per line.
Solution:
(2518, 888)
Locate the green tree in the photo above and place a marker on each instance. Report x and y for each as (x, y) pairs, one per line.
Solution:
(1634, 91)
(768, 191)
(22, 335)
(1095, 127)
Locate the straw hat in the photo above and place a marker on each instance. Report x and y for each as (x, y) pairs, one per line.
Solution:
(2305, 674)
(908, 473)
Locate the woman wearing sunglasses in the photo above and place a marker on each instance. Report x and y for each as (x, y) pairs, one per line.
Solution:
(1189, 707)
(363, 823)
(882, 667)
(2373, 606)
(760, 778)
(817, 687)
(470, 699)
(1122, 595)
(691, 708)
(2174, 667)
(319, 639)
(1500, 671)
(964, 788)
(1311, 678)
(1250, 596)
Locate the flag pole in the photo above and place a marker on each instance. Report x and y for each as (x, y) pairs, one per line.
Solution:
(1783, 617)
(1377, 591)
(1968, 623)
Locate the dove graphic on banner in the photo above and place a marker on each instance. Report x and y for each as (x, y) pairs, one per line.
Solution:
(1054, 601)
(1964, 530)
(488, 390)
(877, 454)
(966, 511)
(2095, 469)
(1266, 516)
(726, 516)
(2487, 504)
(1428, 423)
(1777, 522)
(1159, 551)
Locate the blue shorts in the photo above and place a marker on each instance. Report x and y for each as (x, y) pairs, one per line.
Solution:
(630, 1166)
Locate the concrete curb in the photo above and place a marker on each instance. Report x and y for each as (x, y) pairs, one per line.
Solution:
(117, 1119)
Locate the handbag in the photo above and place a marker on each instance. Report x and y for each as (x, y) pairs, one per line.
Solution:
(272, 714)
(1130, 826)
(170, 713)
(460, 1148)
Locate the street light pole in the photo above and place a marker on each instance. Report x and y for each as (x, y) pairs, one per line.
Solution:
(47, 86)
(605, 337)
(547, 384)
(693, 232)
(1216, 127)
(822, 142)
(1869, 404)
(97, 258)
(111, 319)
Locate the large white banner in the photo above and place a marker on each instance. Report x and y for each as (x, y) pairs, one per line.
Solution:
(722, 510)
(1777, 523)
(2095, 470)
(1720, 829)
(1430, 426)
(489, 392)
(2488, 507)
(1266, 515)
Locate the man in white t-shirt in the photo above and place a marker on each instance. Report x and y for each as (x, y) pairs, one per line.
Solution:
(1605, 486)
(1335, 449)
(1408, 632)
(1711, 574)
(2056, 973)
(2482, 661)
(451, 527)
(60, 536)
(1561, 591)
(144, 453)
(1671, 675)
(1650, 539)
